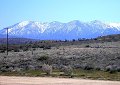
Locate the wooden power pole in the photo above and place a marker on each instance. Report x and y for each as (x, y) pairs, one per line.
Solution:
(7, 42)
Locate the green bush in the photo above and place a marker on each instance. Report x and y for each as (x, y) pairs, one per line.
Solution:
(2, 51)
(112, 71)
(42, 58)
(87, 46)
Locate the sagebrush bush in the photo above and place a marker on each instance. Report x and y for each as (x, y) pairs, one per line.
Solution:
(111, 68)
(118, 69)
(98, 69)
(87, 67)
(108, 68)
(46, 47)
(67, 70)
(47, 69)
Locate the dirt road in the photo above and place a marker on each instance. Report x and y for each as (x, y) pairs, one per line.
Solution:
(4, 80)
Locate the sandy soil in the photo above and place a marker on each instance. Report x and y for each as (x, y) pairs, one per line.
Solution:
(4, 80)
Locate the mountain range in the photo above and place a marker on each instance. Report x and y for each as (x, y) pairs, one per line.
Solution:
(60, 31)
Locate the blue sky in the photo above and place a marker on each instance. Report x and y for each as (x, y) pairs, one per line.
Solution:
(14, 11)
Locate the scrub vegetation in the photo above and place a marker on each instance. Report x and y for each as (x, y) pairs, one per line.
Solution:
(97, 58)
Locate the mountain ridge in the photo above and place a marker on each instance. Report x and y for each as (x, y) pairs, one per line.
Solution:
(61, 31)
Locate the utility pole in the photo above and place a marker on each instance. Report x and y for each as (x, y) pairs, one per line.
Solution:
(7, 41)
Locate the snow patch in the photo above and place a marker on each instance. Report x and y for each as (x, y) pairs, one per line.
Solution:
(116, 25)
(24, 23)
(42, 26)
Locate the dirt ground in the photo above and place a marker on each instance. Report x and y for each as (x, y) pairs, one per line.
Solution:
(5, 80)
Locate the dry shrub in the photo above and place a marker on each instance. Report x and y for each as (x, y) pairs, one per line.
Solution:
(47, 69)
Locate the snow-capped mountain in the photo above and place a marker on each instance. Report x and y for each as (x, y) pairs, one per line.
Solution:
(61, 31)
